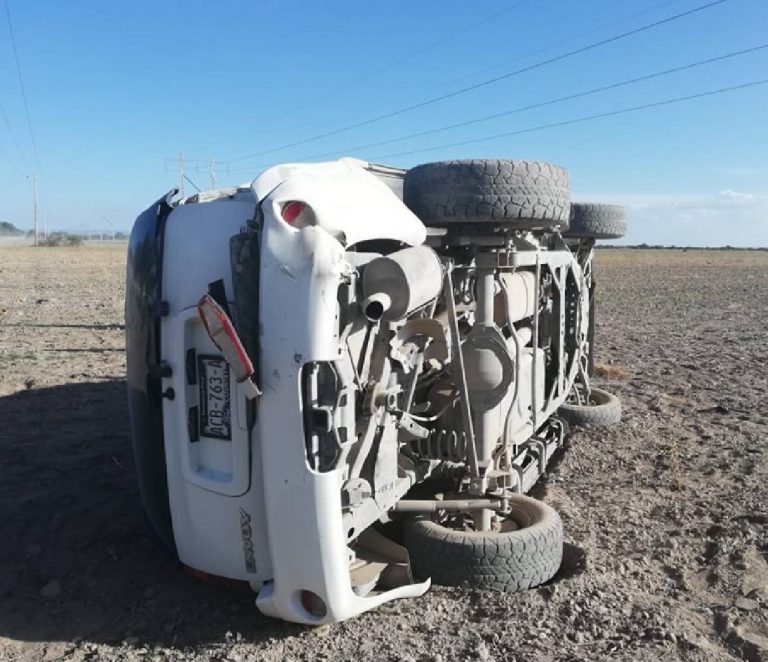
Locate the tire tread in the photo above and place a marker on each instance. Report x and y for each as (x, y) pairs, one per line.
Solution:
(508, 562)
(526, 193)
(597, 221)
(601, 415)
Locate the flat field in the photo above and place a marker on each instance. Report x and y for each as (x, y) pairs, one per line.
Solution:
(666, 514)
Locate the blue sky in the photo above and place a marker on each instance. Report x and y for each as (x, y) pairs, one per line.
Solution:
(114, 88)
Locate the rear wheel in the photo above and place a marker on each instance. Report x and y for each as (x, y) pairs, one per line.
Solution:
(524, 194)
(603, 409)
(526, 550)
(591, 220)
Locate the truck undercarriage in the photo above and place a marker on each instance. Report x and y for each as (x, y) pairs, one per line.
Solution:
(379, 363)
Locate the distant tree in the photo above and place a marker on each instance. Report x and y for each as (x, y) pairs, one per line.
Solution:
(7, 228)
(57, 239)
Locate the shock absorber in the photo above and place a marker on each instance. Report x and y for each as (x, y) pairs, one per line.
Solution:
(442, 444)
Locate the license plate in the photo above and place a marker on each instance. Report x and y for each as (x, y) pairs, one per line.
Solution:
(215, 420)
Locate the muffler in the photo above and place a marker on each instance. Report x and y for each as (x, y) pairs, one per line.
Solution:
(401, 282)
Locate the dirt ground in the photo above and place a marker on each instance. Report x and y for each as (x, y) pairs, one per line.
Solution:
(666, 514)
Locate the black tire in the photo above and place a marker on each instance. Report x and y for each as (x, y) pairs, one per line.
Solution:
(527, 194)
(592, 220)
(603, 410)
(157, 537)
(506, 561)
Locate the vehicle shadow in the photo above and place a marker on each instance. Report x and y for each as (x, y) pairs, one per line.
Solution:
(76, 561)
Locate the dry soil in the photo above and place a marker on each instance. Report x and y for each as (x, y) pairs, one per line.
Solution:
(666, 514)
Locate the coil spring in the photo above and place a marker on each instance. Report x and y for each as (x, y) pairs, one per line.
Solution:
(442, 444)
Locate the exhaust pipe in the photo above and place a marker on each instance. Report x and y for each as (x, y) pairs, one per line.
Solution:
(375, 306)
(401, 282)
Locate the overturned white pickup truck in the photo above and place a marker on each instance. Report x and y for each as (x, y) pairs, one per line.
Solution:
(342, 350)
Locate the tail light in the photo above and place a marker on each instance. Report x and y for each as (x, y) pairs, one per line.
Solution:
(298, 214)
(292, 210)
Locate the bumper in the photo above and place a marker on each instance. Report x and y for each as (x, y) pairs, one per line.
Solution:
(300, 275)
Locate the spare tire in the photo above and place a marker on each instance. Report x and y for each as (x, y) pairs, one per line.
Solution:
(526, 194)
(592, 220)
(526, 555)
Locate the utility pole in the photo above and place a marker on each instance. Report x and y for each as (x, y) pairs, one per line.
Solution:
(181, 174)
(213, 173)
(34, 204)
(109, 223)
(180, 160)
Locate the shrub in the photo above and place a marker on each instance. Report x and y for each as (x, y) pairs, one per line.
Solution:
(58, 239)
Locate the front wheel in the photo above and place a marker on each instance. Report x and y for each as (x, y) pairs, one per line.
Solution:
(526, 550)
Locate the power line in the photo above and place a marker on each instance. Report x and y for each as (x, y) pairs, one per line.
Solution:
(522, 56)
(550, 45)
(10, 161)
(405, 58)
(542, 127)
(182, 160)
(21, 85)
(573, 37)
(576, 120)
(7, 123)
(569, 97)
(489, 81)
(187, 159)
